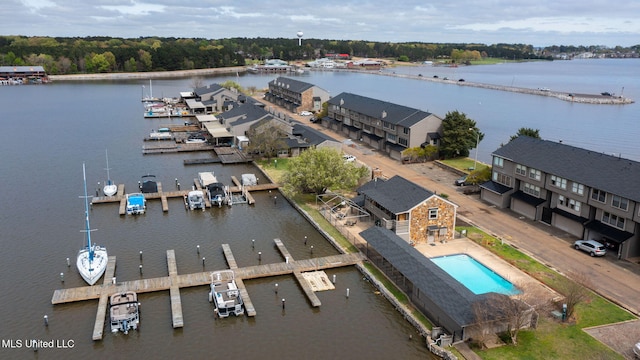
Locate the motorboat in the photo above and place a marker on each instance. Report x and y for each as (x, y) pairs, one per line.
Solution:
(109, 188)
(225, 294)
(217, 193)
(249, 179)
(195, 200)
(136, 204)
(195, 139)
(148, 184)
(124, 312)
(92, 259)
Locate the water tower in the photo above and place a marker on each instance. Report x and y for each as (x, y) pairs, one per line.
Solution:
(299, 34)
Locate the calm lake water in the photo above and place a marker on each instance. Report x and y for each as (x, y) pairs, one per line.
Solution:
(48, 131)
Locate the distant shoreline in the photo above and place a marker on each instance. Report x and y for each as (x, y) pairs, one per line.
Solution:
(149, 75)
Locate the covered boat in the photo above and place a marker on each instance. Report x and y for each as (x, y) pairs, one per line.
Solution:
(195, 199)
(136, 204)
(148, 184)
(217, 194)
(124, 312)
(225, 294)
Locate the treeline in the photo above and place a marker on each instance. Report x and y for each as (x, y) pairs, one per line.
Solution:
(62, 55)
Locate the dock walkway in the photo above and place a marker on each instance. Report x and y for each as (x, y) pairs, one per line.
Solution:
(174, 282)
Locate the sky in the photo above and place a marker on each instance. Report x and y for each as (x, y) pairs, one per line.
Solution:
(534, 22)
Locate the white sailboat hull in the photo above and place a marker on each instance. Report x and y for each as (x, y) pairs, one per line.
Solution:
(92, 271)
(110, 189)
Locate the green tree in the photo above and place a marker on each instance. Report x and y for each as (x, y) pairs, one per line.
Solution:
(534, 133)
(266, 140)
(460, 135)
(319, 169)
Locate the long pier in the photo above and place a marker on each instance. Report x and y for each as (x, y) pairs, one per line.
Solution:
(174, 282)
(121, 197)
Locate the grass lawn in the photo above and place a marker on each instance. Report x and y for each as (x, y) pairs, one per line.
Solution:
(553, 339)
(465, 164)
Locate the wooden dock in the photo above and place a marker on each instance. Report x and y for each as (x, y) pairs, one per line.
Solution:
(121, 197)
(174, 282)
(230, 155)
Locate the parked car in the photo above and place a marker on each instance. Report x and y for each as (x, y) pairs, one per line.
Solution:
(636, 350)
(593, 247)
(306, 113)
(313, 119)
(348, 158)
(462, 181)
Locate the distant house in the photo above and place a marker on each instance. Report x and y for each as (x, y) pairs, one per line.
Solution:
(296, 96)
(588, 194)
(386, 127)
(23, 74)
(409, 210)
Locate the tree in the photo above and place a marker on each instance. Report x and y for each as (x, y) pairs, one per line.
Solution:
(267, 139)
(534, 133)
(460, 135)
(319, 169)
(575, 291)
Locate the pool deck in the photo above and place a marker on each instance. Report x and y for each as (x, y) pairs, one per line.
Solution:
(488, 259)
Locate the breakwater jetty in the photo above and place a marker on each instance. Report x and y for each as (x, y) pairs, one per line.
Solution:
(565, 96)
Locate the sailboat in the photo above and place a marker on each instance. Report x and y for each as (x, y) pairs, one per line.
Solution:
(150, 98)
(110, 188)
(92, 259)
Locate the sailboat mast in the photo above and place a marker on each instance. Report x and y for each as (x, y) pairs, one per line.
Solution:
(86, 213)
(106, 152)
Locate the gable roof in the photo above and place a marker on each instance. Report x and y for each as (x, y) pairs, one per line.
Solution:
(291, 84)
(208, 89)
(612, 174)
(448, 294)
(378, 109)
(244, 113)
(311, 135)
(396, 194)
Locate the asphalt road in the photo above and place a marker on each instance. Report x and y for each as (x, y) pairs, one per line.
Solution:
(616, 280)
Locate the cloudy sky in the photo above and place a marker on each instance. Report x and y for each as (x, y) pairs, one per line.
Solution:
(535, 22)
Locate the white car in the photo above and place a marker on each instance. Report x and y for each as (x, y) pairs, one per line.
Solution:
(306, 113)
(593, 247)
(636, 350)
(348, 158)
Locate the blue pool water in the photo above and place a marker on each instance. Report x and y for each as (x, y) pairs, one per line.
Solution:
(474, 275)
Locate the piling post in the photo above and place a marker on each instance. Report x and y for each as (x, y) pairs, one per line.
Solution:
(46, 320)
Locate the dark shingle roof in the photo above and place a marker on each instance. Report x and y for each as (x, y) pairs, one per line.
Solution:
(396, 194)
(311, 135)
(612, 174)
(451, 297)
(244, 113)
(208, 89)
(291, 84)
(394, 113)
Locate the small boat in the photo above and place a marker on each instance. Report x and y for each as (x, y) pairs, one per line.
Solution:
(92, 259)
(148, 184)
(225, 294)
(196, 139)
(207, 178)
(249, 180)
(195, 200)
(217, 193)
(136, 204)
(124, 312)
(110, 188)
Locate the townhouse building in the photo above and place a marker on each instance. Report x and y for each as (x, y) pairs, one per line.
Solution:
(587, 194)
(296, 96)
(386, 127)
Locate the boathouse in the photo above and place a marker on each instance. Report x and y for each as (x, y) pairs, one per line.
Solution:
(23, 75)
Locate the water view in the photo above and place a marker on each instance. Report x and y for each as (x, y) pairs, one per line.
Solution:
(50, 130)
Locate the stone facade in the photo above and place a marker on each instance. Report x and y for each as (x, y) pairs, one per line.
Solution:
(442, 228)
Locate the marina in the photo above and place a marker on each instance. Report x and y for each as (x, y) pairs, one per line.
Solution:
(174, 282)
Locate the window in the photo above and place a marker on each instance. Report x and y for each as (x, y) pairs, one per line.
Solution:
(502, 178)
(577, 188)
(405, 131)
(599, 195)
(559, 182)
(619, 202)
(403, 141)
(569, 203)
(521, 170)
(613, 220)
(391, 137)
(433, 213)
(532, 189)
(498, 161)
(535, 174)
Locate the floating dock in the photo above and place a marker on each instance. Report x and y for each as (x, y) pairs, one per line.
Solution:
(174, 282)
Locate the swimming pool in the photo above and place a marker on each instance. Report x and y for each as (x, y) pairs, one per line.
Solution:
(474, 275)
